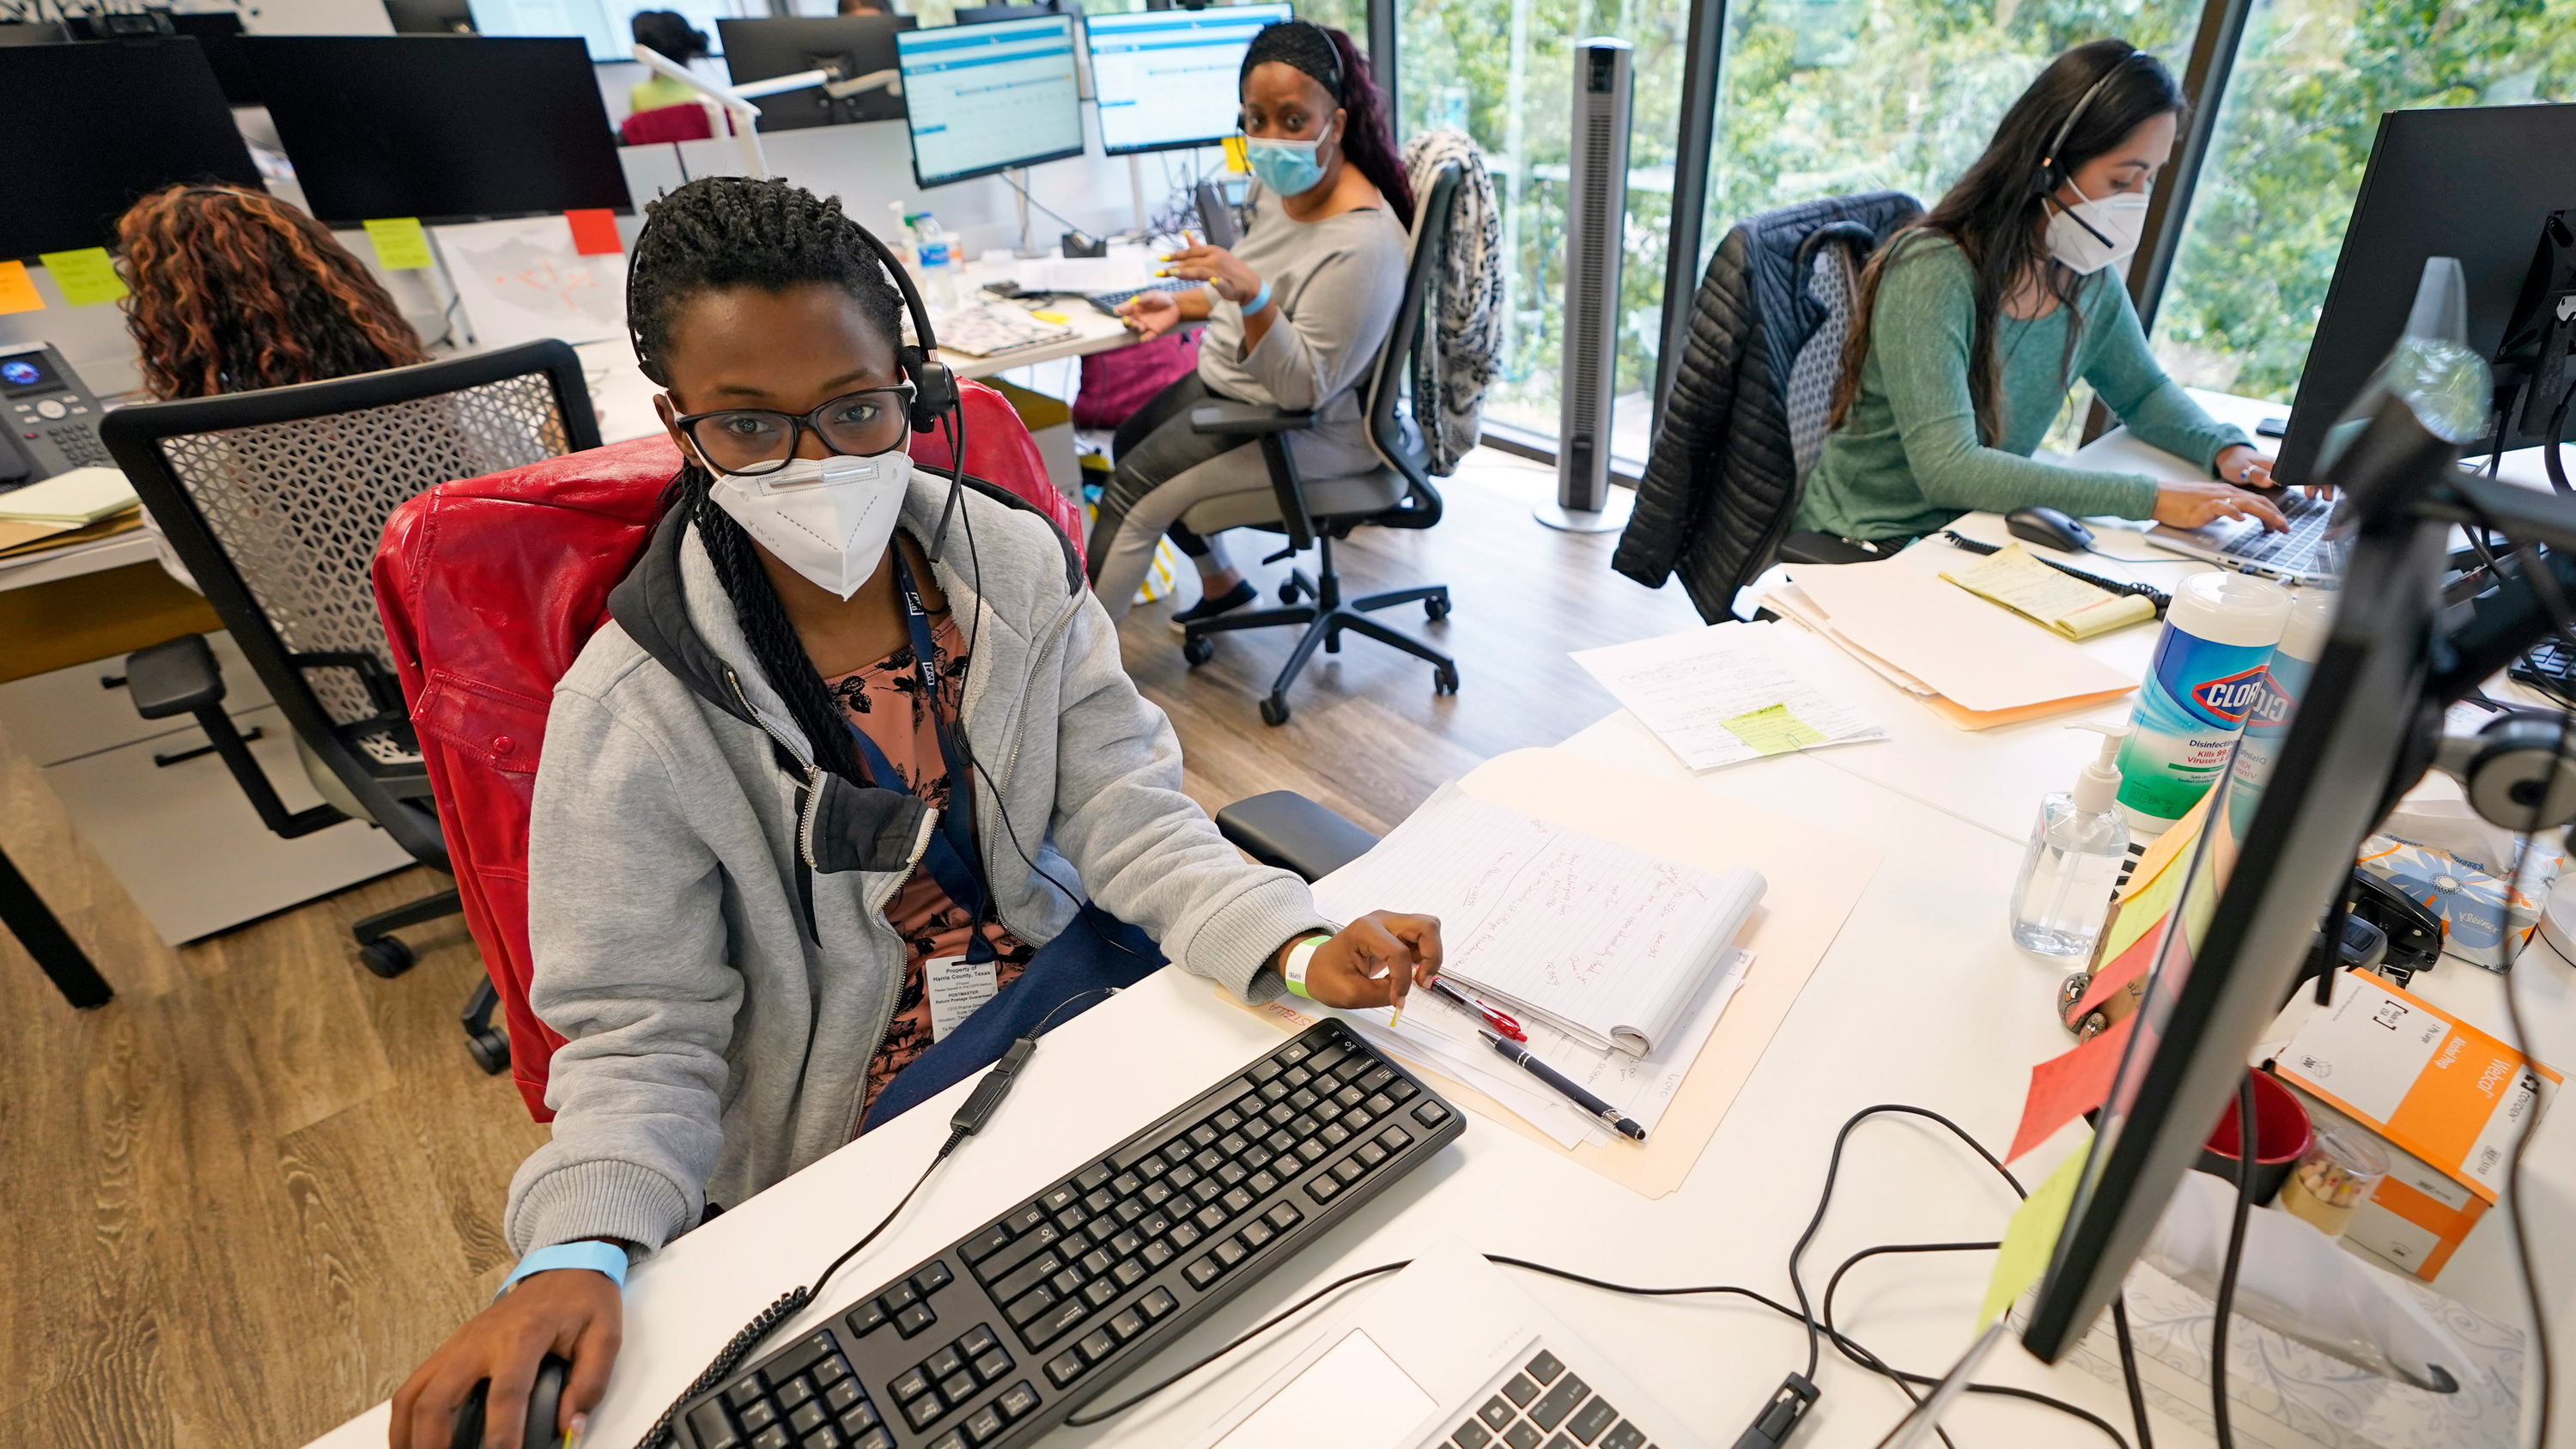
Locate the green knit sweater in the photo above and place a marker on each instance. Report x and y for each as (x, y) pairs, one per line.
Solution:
(1907, 460)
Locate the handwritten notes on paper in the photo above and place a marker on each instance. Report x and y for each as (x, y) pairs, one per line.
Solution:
(2053, 600)
(1607, 944)
(401, 245)
(525, 280)
(1725, 694)
(87, 276)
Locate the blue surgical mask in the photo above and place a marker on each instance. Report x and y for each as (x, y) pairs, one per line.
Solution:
(1288, 168)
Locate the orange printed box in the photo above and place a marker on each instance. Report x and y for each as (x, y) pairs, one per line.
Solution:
(2447, 1100)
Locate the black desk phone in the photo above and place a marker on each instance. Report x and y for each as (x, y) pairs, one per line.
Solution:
(53, 420)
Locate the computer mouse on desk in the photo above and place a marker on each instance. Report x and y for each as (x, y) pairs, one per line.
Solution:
(2049, 528)
(545, 1401)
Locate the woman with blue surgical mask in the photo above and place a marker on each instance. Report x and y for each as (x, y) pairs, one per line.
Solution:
(1979, 316)
(1296, 312)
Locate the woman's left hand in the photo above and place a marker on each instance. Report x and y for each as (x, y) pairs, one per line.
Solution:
(1375, 961)
(1219, 268)
(2240, 465)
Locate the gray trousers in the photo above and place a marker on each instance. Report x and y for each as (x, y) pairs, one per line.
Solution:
(1162, 471)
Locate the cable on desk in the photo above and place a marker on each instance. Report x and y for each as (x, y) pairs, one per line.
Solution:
(1080, 1421)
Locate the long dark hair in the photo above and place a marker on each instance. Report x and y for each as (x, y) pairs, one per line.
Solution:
(231, 289)
(1368, 136)
(732, 231)
(1995, 212)
(669, 32)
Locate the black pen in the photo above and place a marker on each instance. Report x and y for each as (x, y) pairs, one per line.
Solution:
(1565, 1086)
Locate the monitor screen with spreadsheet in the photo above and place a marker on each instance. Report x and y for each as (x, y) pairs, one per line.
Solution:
(985, 98)
(1168, 78)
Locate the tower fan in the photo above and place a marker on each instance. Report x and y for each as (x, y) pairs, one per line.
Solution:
(1596, 215)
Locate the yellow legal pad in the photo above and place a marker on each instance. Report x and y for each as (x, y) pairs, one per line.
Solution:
(2052, 600)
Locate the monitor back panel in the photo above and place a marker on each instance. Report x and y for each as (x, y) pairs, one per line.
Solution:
(84, 144)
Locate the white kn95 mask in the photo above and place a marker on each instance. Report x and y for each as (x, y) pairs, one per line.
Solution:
(2096, 233)
(829, 519)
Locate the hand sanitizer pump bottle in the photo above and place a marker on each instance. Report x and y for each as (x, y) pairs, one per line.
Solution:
(2076, 850)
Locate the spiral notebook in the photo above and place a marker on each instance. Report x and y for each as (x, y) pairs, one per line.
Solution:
(1607, 944)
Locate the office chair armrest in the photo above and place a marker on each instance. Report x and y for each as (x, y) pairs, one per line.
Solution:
(1246, 420)
(1287, 830)
(180, 676)
(175, 677)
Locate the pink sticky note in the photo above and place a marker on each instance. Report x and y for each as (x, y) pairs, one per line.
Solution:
(2131, 964)
(594, 233)
(2066, 1087)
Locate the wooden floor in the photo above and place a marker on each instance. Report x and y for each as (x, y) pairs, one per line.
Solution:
(248, 1195)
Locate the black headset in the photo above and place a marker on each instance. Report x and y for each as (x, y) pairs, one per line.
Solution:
(2051, 175)
(934, 390)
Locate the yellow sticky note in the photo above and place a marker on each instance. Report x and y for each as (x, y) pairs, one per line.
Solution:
(1237, 157)
(1058, 318)
(87, 276)
(2032, 1235)
(1774, 731)
(401, 245)
(18, 290)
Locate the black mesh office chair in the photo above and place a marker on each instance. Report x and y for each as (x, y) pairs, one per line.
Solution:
(275, 501)
(1313, 515)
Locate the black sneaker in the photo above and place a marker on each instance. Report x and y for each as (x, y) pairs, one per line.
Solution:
(1208, 608)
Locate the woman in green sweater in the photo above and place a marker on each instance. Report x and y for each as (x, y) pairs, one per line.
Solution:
(1979, 316)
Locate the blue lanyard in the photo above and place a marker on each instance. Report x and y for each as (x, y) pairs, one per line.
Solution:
(951, 858)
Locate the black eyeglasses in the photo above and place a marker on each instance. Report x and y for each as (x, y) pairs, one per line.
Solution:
(751, 441)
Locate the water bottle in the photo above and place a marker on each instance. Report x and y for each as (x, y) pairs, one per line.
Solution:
(2076, 850)
(937, 256)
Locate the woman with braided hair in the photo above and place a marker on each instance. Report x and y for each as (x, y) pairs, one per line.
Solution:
(1296, 312)
(837, 805)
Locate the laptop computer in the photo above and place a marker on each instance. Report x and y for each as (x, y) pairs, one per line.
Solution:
(2243, 544)
(1448, 1354)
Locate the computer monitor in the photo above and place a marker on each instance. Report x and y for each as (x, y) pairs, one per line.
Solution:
(92, 127)
(986, 98)
(443, 128)
(1169, 78)
(2474, 182)
(218, 33)
(853, 45)
(607, 27)
(987, 14)
(2277, 851)
(432, 17)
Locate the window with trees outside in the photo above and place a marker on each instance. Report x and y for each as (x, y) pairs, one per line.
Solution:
(2293, 136)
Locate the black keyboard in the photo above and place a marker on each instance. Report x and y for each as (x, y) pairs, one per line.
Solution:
(2545, 667)
(1110, 302)
(993, 1340)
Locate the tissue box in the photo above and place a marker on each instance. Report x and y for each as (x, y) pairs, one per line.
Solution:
(2286, 1395)
(2484, 919)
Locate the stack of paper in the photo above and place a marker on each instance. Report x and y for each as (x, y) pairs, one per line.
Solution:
(993, 329)
(2046, 597)
(1967, 663)
(71, 507)
(1725, 694)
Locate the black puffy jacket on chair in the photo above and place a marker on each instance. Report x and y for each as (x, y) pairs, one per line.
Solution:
(1722, 483)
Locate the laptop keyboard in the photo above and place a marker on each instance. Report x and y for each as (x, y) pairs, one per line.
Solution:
(2294, 548)
(993, 1340)
(1545, 1405)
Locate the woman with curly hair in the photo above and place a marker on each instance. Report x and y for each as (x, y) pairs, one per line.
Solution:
(232, 290)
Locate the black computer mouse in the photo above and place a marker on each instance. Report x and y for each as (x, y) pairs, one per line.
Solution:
(545, 1399)
(2049, 528)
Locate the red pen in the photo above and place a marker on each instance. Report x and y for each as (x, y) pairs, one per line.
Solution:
(1491, 1017)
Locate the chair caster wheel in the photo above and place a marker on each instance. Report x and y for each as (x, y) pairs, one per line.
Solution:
(385, 956)
(1435, 609)
(1444, 680)
(1288, 592)
(1273, 712)
(490, 1050)
(1197, 649)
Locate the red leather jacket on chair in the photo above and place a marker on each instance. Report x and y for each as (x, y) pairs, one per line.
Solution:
(489, 588)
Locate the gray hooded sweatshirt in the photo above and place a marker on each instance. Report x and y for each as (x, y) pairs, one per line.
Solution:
(715, 1041)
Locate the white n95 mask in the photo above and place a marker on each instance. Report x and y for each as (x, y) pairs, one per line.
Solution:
(2091, 235)
(829, 519)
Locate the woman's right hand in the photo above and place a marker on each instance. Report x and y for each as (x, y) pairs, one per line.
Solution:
(1150, 314)
(572, 1313)
(2189, 505)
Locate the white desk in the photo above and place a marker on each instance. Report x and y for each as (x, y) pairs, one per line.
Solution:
(1922, 999)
